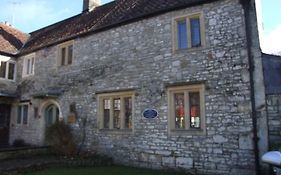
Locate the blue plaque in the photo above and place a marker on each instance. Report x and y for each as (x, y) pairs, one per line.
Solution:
(150, 113)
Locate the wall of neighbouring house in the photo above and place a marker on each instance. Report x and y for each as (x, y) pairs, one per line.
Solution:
(139, 56)
(271, 70)
(274, 120)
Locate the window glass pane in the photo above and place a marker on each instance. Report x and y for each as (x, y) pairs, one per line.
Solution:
(32, 66)
(179, 110)
(3, 69)
(57, 115)
(128, 112)
(195, 32)
(194, 101)
(182, 34)
(19, 115)
(63, 56)
(11, 72)
(116, 113)
(28, 67)
(106, 113)
(49, 116)
(70, 54)
(25, 114)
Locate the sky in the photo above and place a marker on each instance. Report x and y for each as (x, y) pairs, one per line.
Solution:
(31, 15)
(272, 26)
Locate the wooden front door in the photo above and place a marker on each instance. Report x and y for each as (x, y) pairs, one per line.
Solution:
(5, 111)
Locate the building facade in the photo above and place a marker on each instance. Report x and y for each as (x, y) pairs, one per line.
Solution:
(190, 62)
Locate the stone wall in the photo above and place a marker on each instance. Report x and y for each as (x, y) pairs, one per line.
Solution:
(139, 56)
(274, 120)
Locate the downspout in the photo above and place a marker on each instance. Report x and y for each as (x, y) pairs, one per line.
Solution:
(247, 6)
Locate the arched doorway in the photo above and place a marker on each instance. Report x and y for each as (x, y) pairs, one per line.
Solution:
(51, 114)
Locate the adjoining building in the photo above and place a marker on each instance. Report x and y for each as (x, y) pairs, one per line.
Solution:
(11, 41)
(158, 84)
(272, 81)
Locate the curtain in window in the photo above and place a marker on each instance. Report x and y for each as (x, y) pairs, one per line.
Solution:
(195, 32)
(182, 34)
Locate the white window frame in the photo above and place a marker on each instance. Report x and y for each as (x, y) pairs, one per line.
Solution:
(66, 47)
(7, 70)
(22, 114)
(28, 65)
(111, 97)
(187, 18)
(187, 130)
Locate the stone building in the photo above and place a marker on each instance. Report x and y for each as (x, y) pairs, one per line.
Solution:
(162, 84)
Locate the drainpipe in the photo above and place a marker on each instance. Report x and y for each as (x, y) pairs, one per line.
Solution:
(247, 7)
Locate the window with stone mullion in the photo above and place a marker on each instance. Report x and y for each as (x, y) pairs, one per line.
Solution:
(186, 109)
(117, 113)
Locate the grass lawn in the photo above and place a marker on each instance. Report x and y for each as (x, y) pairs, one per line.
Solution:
(114, 170)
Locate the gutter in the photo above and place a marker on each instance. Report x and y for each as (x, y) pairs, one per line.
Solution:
(7, 54)
(247, 7)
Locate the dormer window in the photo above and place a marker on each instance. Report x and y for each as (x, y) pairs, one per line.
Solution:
(7, 70)
(65, 54)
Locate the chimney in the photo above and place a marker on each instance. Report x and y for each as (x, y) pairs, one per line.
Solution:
(89, 5)
(7, 23)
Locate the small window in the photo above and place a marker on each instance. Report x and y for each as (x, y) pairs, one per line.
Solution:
(188, 32)
(22, 117)
(28, 65)
(7, 70)
(66, 53)
(187, 106)
(116, 111)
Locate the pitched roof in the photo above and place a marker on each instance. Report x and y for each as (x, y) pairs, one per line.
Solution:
(116, 13)
(11, 39)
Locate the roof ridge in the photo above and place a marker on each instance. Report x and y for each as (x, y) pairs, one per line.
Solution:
(12, 39)
(107, 16)
(11, 27)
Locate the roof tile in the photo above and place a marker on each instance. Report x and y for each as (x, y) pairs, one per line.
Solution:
(103, 17)
(11, 39)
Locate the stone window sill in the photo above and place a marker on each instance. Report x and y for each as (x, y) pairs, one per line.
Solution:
(117, 131)
(191, 49)
(189, 132)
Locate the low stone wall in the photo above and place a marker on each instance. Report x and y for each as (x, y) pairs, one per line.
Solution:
(15, 153)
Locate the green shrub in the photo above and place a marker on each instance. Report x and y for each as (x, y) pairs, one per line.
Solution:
(59, 137)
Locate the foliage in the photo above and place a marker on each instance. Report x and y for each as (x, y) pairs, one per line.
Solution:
(19, 143)
(59, 137)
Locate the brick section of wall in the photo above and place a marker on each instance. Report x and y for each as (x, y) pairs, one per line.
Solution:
(139, 56)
